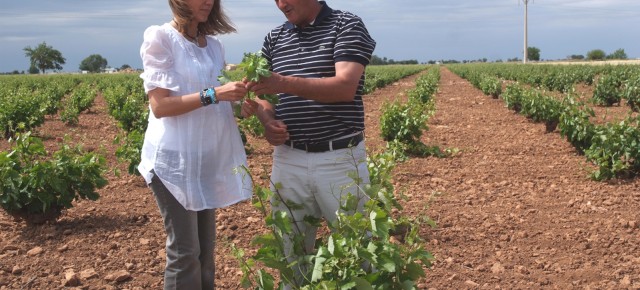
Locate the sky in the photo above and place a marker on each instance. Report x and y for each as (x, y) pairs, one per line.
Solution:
(422, 30)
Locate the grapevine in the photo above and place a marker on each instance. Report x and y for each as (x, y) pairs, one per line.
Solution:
(253, 67)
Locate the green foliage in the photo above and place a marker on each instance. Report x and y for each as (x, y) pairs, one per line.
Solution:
(253, 67)
(513, 96)
(26, 100)
(491, 86)
(575, 124)
(359, 253)
(20, 114)
(251, 125)
(631, 92)
(426, 88)
(80, 100)
(127, 103)
(33, 69)
(607, 91)
(44, 57)
(561, 81)
(542, 108)
(376, 60)
(613, 148)
(32, 183)
(94, 63)
(533, 53)
(130, 149)
(420, 149)
(552, 77)
(596, 54)
(616, 149)
(618, 54)
(380, 168)
(380, 76)
(403, 122)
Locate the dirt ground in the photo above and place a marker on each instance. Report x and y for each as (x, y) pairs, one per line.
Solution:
(514, 209)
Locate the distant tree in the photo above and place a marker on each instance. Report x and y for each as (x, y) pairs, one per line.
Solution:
(44, 57)
(124, 67)
(596, 54)
(410, 61)
(576, 57)
(533, 53)
(618, 54)
(33, 69)
(93, 63)
(376, 60)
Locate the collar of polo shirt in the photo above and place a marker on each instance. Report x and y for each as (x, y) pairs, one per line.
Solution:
(324, 13)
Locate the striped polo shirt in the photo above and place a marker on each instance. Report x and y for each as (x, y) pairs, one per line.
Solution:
(311, 52)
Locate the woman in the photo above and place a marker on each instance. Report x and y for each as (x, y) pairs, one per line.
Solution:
(192, 145)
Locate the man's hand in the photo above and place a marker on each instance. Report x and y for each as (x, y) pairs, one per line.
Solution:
(249, 108)
(270, 85)
(275, 131)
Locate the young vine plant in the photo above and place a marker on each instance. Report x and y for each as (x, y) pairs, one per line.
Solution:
(253, 67)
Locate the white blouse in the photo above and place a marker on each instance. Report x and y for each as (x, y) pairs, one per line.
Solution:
(196, 155)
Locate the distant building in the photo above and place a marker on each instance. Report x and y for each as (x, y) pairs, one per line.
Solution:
(231, 67)
(110, 70)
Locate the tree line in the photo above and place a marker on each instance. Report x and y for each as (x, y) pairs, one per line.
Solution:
(44, 57)
(533, 54)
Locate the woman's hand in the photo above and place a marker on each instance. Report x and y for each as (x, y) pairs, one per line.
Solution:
(232, 91)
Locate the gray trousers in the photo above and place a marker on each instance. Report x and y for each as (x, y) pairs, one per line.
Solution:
(190, 246)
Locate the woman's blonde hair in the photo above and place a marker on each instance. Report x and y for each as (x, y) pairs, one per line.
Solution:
(217, 22)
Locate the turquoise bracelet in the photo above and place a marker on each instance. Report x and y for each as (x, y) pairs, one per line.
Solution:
(210, 93)
(208, 97)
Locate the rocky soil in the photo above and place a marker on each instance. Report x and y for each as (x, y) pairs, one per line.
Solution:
(515, 209)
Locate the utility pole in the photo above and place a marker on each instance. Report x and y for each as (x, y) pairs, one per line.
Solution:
(526, 45)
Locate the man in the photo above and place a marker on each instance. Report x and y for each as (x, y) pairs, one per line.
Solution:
(317, 58)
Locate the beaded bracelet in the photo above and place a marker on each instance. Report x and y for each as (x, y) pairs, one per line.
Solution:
(208, 97)
(211, 94)
(203, 100)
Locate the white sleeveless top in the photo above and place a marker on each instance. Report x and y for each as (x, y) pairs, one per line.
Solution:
(197, 155)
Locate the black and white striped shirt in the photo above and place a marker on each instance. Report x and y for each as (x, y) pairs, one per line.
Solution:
(311, 52)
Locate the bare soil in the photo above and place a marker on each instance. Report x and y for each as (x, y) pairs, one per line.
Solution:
(515, 209)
